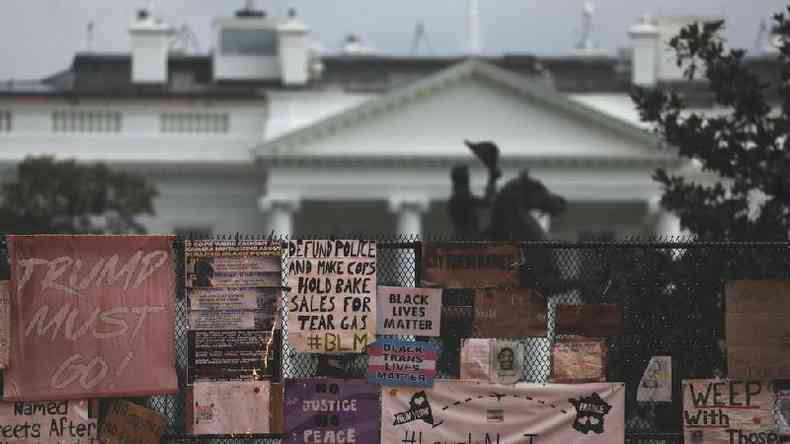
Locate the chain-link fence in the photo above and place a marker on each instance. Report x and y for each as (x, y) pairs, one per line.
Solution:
(671, 294)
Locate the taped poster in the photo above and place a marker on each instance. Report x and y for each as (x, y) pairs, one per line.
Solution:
(471, 265)
(783, 412)
(232, 263)
(468, 412)
(5, 324)
(758, 335)
(331, 295)
(508, 362)
(576, 360)
(656, 382)
(242, 355)
(331, 411)
(476, 358)
(47, 422)
(395, 362)
(231, 320)
(509, 313)
(231, 408)
(102, 323)
(725, 411)
(409, 311)
(130, 423)
(233, 298)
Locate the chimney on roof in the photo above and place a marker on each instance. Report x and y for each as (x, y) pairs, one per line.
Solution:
(294, 50)
(644, 59)
(474, 42)
(150, 43)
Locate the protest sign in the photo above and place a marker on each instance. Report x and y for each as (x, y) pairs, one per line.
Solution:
(469, 412)
(233, 263)
(589, 319)
(231, 320)
(128, 423)
(409, 311)
(233, 298)
(578, 360)
(509, 313)
(394, 362)
(47, 422)
(476, 358)
(230, 354)
(95, 316)
(321, 410)
(225, 408)
(507, 362)
(471, 265)
(331, 295)
(5, 323)
(656, 382)
(758, 334)
(721, 411)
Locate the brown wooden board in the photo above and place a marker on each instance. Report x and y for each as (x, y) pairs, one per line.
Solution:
(509, 313)
(594, 320)
(128, 423)
(471, 265)
(578, 359)
(757, 327)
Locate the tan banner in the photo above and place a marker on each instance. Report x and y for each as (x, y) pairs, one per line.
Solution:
(471, 265)
(509, 313)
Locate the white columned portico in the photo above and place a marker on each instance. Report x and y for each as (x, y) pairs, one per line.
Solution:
(665, 223)
(409, 211)
(280, 210)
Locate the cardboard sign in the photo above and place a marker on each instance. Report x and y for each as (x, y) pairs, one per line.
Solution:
(409, 311)
(230, 354)
(128, 423)
(509, 313)
(593, 320)
(656, 382)
(469, 412)
(471, 265)
(47, 422)
(578, 360)
(95, 316)
(507, 361)
(331, 410)
(394, 362)
(724, 411)
(5, 324)
(332, 295)
(237, 408)
(232, 263)
(783, 412)
(476, 359)
(758, 330)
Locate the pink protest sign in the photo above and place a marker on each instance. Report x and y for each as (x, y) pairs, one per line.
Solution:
(93, 316)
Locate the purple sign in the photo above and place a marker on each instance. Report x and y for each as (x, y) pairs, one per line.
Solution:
(331, 410)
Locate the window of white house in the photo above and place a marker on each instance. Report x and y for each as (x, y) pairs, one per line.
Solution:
(6, 121)
(84, 121)
(194, 123)
(248, 42)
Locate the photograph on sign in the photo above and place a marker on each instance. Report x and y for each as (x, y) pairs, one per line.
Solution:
(47, 422)
(578, 360)
(725, 411)
(758, 334)
(409, 311)
(593, 320)
(509, 313)
(656, 382)
(233, 298)
(225, 408)
(243, 355)
(396, 362)
(326, 410)
(232, 263)
(471, 265)
(104, 324)
(507, 361)
(467, 411)
(331, 297)
(476, 358)
(127, 422)
(5, 323)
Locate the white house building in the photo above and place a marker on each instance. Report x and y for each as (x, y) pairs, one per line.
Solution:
(265, 134)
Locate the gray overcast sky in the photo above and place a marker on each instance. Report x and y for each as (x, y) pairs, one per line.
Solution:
(39, 37)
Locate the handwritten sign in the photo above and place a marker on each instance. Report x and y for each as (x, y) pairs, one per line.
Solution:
(224, 408)
(5, 323)
(128, 423)
(332, 295)
(232, 263)
(471, 265)
(471, 412)
(758, 330)
(476, 358)
(589, 320)
(578, 360)
(409, 311)
(728, 411)
(47, 422)
(509, 313)
(230, 354)
(95, 316)
(656, 382)
(331, 411)
(394, 362)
